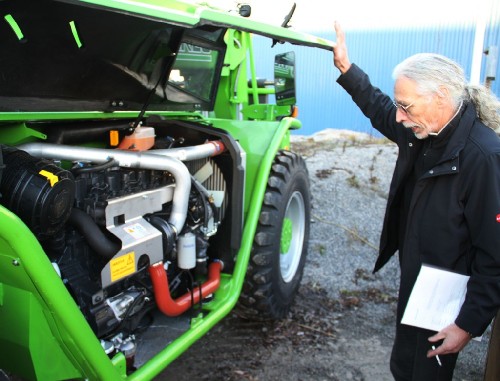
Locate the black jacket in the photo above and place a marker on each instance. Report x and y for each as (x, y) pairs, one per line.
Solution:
(453, 215)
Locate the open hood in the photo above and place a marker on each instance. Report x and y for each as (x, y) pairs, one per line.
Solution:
(59, 56)
(117, 55)
(197, 14)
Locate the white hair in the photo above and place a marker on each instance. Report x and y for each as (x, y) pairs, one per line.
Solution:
(432, 72)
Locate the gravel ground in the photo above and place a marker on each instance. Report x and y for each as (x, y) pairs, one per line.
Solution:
(347, 222)
(342, 324)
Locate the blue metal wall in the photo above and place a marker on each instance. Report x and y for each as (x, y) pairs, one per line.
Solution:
(492, 38)
(324, 104)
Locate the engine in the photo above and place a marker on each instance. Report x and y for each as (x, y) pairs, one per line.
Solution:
(126, 231)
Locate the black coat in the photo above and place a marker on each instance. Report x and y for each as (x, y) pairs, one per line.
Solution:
(453, 215)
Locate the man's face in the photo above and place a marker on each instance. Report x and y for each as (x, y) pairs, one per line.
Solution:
(419, 112)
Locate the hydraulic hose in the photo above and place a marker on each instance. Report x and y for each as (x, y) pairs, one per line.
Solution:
(171, 307)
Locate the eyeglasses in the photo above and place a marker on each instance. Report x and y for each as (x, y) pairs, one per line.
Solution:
(403, 108)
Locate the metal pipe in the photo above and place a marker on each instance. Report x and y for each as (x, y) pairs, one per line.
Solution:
(171, 307)
(129, 159)
(208, 149)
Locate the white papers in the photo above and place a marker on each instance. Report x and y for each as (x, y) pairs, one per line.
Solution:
(436, 298)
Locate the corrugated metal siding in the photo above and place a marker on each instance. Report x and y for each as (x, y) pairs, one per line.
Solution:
(492, 38)
(324, 104)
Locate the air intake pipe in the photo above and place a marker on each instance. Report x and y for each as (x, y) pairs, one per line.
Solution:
(208, 149)
(129, 159)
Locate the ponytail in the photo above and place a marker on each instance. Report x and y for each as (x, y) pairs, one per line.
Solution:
(487, 105)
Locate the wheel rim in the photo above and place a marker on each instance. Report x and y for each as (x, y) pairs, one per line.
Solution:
(292, 236)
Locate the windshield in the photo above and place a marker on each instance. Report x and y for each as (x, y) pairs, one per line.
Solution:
(193, 71)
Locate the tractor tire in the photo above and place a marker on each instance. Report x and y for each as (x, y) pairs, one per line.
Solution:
(280, 244)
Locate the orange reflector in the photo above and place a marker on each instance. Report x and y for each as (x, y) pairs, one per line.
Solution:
(294, 112)
(114, 138)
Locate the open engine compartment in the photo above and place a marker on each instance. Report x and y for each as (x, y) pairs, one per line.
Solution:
(130, 231)
(145, 171)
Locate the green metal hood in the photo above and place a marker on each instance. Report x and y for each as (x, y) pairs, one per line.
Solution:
(201, 14)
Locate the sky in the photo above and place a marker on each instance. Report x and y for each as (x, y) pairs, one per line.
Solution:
(319, 15)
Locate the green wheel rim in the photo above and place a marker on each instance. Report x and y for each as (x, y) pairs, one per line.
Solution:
(286, 236)
(292, 236)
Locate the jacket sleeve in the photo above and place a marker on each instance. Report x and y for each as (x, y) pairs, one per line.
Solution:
(375, 105)
(482, 213)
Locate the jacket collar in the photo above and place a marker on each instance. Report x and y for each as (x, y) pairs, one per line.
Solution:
(461, 133)
(458, 135)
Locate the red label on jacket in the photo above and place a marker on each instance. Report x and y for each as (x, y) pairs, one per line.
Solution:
(498, 217)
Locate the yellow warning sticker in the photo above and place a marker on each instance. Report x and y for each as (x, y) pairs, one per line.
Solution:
(136, 230)
(122, 266)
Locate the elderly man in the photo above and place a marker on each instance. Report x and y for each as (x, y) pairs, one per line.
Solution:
(444, 201)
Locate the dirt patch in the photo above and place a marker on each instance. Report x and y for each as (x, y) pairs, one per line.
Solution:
(308, 345)
(341, 325)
